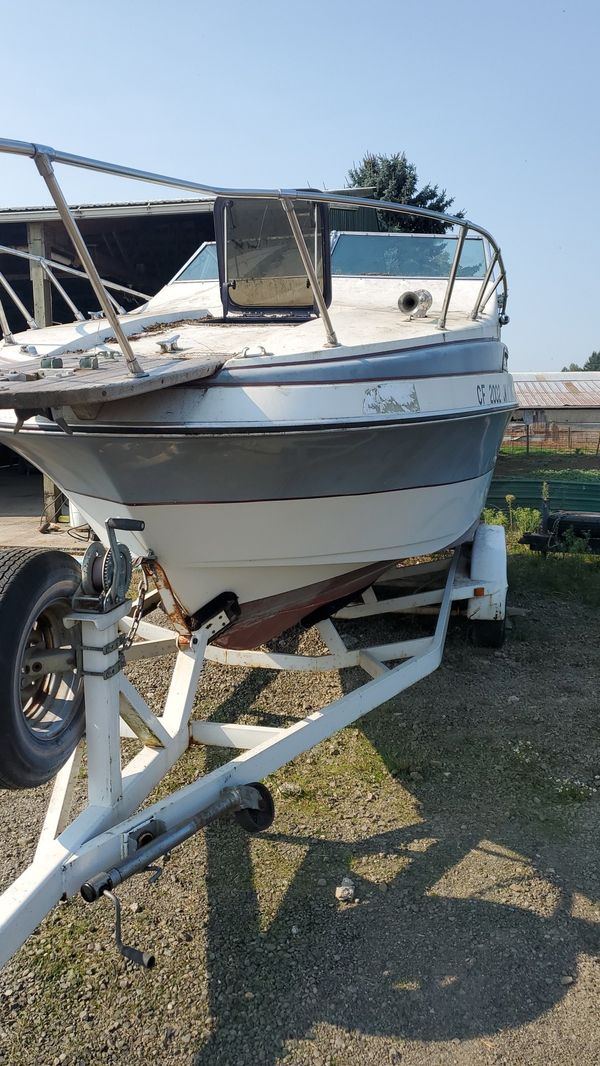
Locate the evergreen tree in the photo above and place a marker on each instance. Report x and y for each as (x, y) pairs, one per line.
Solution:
(593, 363)
(394, 178)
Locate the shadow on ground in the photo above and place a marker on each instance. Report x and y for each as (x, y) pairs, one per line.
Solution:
(404, 962)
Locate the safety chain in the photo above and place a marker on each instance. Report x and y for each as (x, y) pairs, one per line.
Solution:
(138, 611)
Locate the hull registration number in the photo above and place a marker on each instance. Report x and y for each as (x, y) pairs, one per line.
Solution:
(492, 394)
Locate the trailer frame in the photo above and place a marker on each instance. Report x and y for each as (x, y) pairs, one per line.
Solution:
(112, 829)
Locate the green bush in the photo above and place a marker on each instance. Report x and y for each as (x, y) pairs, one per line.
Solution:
(526, 519)
(569, 474)
(576, 544)
(493, 517)
(519, 519)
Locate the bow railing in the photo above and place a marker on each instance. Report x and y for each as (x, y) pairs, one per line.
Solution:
(44, 156)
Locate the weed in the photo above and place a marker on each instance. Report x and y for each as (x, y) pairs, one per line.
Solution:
(535, 766)
(570, 577)
(518, 521)
(493, 517)
(525, 520)
(573, 791)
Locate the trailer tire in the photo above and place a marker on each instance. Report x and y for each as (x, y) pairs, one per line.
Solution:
(488, 634)
(41, 713)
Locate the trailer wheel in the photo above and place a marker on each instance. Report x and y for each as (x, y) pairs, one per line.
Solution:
(488, 633)
(255, 821)
(41, 689)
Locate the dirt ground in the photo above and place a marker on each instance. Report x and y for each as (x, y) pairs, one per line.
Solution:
(21, 504)
(466, 812)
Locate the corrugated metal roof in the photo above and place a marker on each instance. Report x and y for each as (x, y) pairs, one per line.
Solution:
(557, 390)
(132, 208)
(126, 209)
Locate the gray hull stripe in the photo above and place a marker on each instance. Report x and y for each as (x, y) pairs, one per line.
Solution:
(141, 470)
(436, 360)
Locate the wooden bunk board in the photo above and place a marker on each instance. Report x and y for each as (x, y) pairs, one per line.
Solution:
(30, 386)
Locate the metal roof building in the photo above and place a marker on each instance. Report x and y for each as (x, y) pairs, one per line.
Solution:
(139, 244)
(560, 397)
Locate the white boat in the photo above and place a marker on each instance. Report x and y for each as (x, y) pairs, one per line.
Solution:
(284, 420)
(330, 404)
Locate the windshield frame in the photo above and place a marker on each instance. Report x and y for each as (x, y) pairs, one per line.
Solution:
(318, 246)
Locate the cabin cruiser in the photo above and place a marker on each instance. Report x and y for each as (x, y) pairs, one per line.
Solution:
(295, 411)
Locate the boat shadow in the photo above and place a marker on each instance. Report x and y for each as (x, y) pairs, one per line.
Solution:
(411, 961)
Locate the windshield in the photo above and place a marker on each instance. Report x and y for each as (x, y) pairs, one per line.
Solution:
(260, 267)
(202, 266)
(405, 255)
(401, 255)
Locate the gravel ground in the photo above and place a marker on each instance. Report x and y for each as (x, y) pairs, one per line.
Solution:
(464, 812)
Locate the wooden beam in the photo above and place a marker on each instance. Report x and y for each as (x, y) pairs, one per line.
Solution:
(42, 290)
(52, 505)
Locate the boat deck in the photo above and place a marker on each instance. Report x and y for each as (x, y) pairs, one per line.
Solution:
(189, 320)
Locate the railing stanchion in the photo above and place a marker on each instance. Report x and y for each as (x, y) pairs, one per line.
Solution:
(47, 171)
(484, 285)
(4, 326)
(453, 272)
(57, 285)
(31, 322)
(310, 270)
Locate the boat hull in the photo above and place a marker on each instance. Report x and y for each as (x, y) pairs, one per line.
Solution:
(290, 496)
(284, 559)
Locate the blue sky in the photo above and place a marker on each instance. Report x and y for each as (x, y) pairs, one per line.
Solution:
(499, 103)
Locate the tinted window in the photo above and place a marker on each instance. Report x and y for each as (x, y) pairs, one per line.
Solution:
(406, 256)
(203, 267)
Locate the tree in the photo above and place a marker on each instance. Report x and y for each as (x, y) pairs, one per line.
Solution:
(394, 178)
(593, 363)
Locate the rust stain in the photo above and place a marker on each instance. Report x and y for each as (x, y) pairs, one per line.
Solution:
(170, 603)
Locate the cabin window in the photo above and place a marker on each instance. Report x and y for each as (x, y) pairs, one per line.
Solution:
(405, 255)
(203, 265)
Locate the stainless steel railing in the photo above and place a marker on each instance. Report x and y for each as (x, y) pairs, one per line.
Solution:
(49, 266)
(44, 157)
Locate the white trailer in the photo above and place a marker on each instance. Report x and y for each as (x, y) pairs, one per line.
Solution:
(111, 839)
